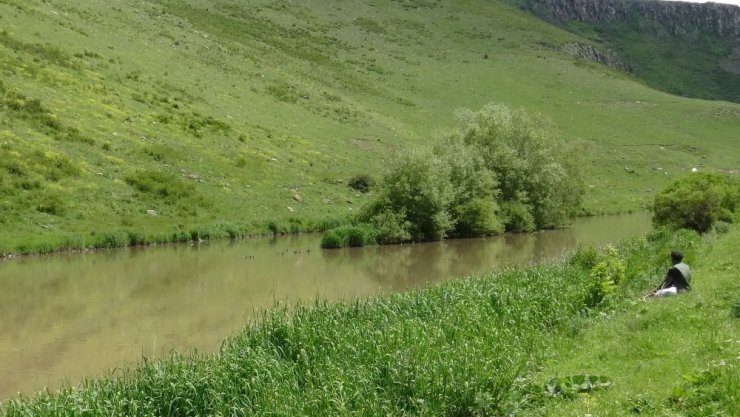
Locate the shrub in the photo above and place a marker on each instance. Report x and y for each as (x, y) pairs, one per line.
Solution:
(160, 184)
(112, 240)
(332, 239)
(362, 235)
(697, 201)
(52, 204)
(431, 193)
(361, 183)
(721, 227)
(473, 209)
(532, 168)
(136, 238)
(392, 227)
(500, 172)
(584, 257)
(418, 188)
(605, 277)
(349, 235)
(517, 217)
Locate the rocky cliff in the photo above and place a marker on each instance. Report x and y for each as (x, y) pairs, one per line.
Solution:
(686, 49)
(687, 21)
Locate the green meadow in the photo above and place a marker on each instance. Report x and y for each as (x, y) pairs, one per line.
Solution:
(142, 122)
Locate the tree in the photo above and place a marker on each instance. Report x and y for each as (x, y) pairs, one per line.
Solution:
(538, 176)
(498, 170)
(696, 201)
(416, 192)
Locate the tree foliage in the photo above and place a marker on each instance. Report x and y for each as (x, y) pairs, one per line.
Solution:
(538, 176)
(697, 201)
(499, 171)
(418, 190)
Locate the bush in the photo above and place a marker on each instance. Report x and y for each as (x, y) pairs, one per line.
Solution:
(605, 277)
(584, 257)
(500, 172)
(697, 201)
(332, 239)
(112, 240)
(473, 209)
(52, 204)
(160, 184)
(517, 217)
(392, 227)
(418, 188)
(533, 168)
(362, 235)
(361, 183)
(434, 192)
(349, 236)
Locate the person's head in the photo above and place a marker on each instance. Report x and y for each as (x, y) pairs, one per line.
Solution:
(676, 256)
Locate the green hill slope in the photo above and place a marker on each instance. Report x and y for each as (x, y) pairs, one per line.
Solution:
(137, 120)
(686, 49)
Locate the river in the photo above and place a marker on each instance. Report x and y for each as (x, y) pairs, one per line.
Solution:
(63, 317)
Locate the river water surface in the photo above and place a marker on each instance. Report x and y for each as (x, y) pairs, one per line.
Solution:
(63, 317)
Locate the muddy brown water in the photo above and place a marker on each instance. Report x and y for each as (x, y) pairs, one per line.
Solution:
(64, 317)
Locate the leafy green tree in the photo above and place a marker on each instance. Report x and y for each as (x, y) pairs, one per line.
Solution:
(418, 189)
(473, 208)
(498, 171)
(536, 172)
(696, 201)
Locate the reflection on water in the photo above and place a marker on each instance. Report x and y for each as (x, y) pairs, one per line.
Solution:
(67, 316)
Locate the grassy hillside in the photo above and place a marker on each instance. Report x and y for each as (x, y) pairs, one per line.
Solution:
(685, 68)
(152, 120)
(684, 49)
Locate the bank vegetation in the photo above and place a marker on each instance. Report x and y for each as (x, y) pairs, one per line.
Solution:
(501, 171)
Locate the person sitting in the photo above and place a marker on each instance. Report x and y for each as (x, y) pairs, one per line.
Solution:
(676, 280)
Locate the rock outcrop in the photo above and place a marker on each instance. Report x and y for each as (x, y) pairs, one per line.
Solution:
(590, 52)
(687, 21)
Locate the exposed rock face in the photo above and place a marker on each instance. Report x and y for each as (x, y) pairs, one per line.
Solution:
(732, 64)
(678, 19)
(592, 53)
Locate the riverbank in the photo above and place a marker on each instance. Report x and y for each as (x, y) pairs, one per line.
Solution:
(470, 347)
(674, 356)
(52, 243)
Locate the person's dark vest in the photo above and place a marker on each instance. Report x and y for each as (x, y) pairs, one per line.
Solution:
(684, 270)
(679, 276)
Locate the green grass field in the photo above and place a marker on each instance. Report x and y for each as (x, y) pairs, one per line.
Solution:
(150, 121)
(666, 357)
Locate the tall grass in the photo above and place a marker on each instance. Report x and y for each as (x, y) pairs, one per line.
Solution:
(454, 349)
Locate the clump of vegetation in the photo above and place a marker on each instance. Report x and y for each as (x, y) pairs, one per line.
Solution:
(499, 172)
(361, 183)
(605, 276)
(570, 386)
(706, 393)
(697, 201)
(160, 184)
(418, 191)
(539, 177)
(349, 236)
